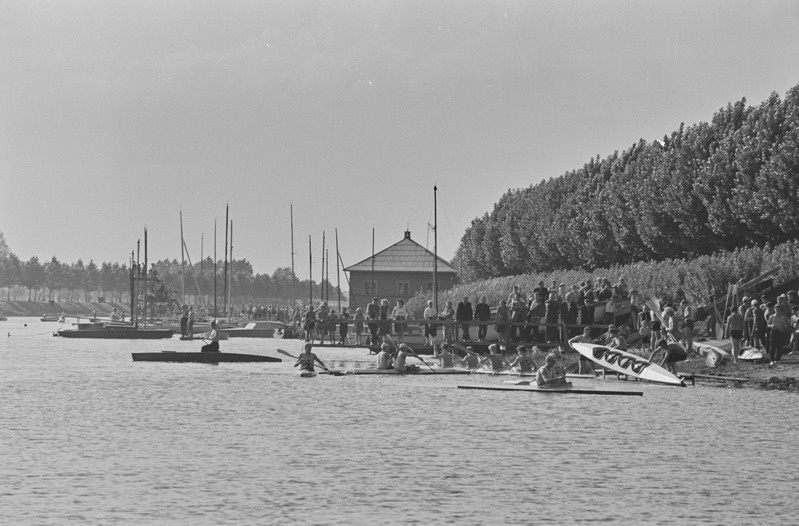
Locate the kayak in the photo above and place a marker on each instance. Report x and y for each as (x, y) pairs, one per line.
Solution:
(627, 363)
(200, 357)
(569, 389)
(305, 373)
(440, 371)
(713, 355)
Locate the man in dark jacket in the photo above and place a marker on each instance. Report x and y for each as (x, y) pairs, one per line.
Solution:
(464, 314)
(483, 314)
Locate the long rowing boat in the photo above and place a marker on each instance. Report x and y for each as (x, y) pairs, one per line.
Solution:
(440, 370)
(627, 363)
(201, 357)
(552, 390)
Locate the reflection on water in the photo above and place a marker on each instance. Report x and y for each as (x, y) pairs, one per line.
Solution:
(88, 436)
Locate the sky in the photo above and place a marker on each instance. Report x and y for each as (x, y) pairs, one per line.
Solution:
(120, 116)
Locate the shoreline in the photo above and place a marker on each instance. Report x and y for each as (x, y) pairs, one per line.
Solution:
(25, 308)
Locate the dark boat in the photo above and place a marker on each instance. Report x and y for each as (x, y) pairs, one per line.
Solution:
(113, 331)
(200, 357)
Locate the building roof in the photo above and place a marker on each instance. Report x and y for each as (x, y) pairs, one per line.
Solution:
(404, 256)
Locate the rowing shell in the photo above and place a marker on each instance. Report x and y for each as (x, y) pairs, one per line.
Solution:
(713, 355)
(553, 390)
(626, 363)
(441, 370)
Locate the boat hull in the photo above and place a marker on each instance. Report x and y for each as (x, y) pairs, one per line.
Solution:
(627, 363)
(552, 390)
(116, 333)
(422, 370)
(200, 357)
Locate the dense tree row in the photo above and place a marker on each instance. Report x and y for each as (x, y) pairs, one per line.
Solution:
(730, 183)
(58, 281)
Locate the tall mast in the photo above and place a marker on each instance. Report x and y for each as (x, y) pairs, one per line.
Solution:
(225, 287)
(293, 301)
(138, 275)
(372, 284)
(338, 274)
(310, 269)
(202, 274)
(145, 277)
(215, 273)
(322, 269)
(182, 262)
(327, 273)
(132, 287)
(435, 248)
(230, 288)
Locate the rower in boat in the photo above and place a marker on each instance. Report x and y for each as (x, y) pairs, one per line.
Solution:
(214, 338)
(523, 362)
(384, 357)
(445, 357)
(401, 357)
(551, 374)
(471, 361)
(583, 363)
(307, 359)
(496, 360)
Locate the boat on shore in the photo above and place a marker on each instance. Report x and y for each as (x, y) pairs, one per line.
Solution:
(262, 329)
(201, 357)
(52, 317)
(626, 363)
(115, 331)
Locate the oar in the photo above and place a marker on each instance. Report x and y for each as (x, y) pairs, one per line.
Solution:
(411, 351)
(334, 373)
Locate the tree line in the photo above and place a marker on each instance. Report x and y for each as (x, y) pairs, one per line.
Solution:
(55, 280)
(717, 186)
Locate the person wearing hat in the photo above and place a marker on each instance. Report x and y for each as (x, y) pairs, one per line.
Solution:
(307, 359)
(551, 374)
(384, 357)
(213, 346)
(399, 360)
(496, 360)
(672, 353)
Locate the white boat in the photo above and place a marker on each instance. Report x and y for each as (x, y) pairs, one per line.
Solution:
(627, 363)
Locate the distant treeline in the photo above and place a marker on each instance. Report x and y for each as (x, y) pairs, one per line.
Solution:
(55, 280)
(718, 186)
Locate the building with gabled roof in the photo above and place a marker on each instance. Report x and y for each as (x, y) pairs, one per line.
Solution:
(400, 271)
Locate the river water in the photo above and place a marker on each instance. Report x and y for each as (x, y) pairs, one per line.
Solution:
(90, 437)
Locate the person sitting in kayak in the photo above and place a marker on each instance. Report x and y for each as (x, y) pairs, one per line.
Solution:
(583, 362)
(399, 360)
(214, 338)
(306, 359)
(523, 361)
(672, 353)
(384, 357)
(551, 374)
(497, 361)
(444, 355)
(471, 361)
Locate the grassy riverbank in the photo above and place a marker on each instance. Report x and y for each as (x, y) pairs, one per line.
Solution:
(68, 308)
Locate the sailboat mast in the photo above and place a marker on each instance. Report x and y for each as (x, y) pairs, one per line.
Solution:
(215, 272)
(293, 301)
(322, 270)
(145, 277)
(327, 273)
(225, 276)
(372, 284)
(230, 288)
(182, 262)
(435, 249)
(338, 274)
(310, 269)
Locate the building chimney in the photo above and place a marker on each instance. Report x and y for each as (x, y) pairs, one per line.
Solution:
(407, 234)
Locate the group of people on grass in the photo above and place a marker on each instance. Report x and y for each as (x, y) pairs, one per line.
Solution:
(772, 326)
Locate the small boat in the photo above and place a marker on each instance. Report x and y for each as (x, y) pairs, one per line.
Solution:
(713, 355)
(627, 363)
(750, 354)
(306, 373)
(554, 390)
(200, 357)
(259, 329)
(421, 370)
(114, 331)
(52, 317)
(3, 318)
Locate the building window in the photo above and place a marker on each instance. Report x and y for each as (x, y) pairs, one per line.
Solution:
(429, 286)
(367, 288)
(403, 288)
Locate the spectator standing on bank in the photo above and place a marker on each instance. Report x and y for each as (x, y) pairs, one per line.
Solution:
(482, 312)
